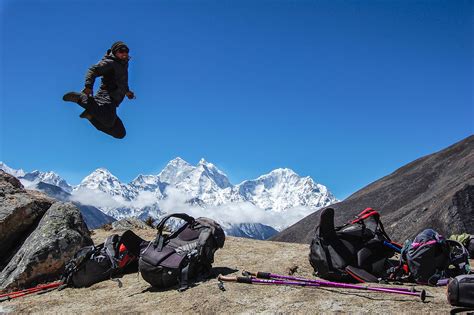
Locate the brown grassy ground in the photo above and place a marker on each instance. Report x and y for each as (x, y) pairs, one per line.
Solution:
(238, 254)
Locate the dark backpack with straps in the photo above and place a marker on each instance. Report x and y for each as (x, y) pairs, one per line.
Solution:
(357, 250)
(430, 257)
(93, 264)
(470, 246)
(460, 291)
(185, 254)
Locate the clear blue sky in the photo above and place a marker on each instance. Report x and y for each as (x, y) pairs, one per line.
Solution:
(343, 91)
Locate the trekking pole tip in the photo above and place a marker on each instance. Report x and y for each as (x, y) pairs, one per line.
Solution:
(423, 295)
(220, 285)
(5, 298)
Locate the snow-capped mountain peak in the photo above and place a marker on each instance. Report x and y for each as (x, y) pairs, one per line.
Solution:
(11, 171)
(103, 180)
(175, 171)
(203, 161)
(33, 178)
(146, 180)
(150, 183)
(210, 171)
(283, 189)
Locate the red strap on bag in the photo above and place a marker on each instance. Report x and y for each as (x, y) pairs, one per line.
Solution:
(365, 214)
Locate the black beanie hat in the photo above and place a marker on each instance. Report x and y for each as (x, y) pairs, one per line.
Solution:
(118, 45)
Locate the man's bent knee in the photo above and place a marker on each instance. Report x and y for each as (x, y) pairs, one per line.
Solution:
(120, 134)
(108, 122)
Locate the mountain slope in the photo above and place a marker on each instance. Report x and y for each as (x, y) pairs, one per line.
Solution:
(251, 230)
(435, 191)
(52, 178)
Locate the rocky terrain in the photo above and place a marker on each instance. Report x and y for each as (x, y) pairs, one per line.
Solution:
(37, 235)
(435, 191)
(237, 255)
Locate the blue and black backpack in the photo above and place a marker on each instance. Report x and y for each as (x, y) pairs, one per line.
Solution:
(430, 257)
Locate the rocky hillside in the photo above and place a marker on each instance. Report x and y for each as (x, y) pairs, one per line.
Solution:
(435, 191)
(237, 255)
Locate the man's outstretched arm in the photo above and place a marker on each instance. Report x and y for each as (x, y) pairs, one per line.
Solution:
(95, 71)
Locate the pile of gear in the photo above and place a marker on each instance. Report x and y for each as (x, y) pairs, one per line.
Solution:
(359, 251)
(362, 251)
(171, 259)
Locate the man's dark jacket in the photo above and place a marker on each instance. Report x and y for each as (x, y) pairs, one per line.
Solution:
(114, 73)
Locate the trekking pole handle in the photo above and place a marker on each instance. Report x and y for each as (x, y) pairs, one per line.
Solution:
(258, 274)
(235, 279)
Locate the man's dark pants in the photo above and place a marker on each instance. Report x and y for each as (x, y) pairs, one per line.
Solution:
(104, 112)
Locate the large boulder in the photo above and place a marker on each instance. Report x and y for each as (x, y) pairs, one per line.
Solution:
(38, 235)
(20, 212)
(59, 234)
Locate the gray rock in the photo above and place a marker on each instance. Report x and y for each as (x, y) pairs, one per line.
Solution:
(128, 224)
(20, 212)
(93, 217)
(9, 184)
(42, 256)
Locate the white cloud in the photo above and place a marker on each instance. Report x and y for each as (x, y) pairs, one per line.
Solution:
(233, 213)
(97, 199)
(100, 199)
(144, 198)
(176, 202)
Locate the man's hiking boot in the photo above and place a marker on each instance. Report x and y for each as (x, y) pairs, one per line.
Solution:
(74, 97)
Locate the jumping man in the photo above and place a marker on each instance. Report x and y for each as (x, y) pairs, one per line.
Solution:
(101, 109)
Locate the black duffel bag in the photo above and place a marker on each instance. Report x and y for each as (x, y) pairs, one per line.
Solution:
(358, 250)
(183, 255)
(461, 291)
(470, 246)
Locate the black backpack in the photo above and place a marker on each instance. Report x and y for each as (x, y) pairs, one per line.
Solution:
(183, 255)
(357, 250)
(461, 291)
(92, 264)
(470, 246)
(430, 257)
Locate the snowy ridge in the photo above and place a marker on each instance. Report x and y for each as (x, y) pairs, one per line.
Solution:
(11, 171)
(282, 189)
(35, 177)
(102, 180)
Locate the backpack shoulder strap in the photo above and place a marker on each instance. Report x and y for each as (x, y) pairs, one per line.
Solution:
(80, 257)
(111, 246)
(159, 241)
